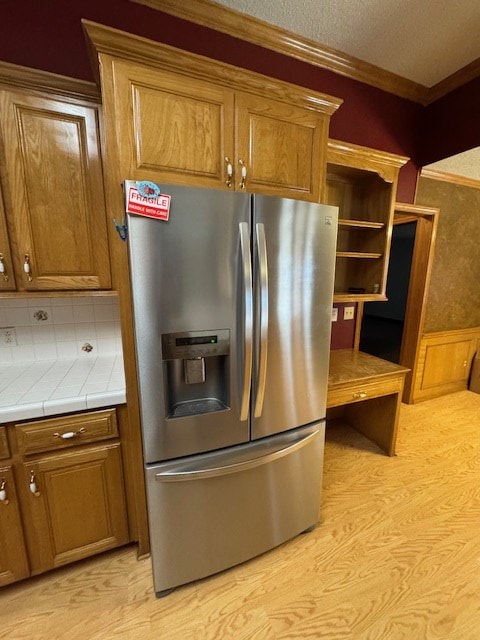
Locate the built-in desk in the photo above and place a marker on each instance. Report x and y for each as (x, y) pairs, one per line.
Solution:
(370, 390)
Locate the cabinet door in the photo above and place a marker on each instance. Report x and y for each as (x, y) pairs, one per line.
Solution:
(53, 188)
(444, 363)
(78, 508)
(7, 279)
(13, 557)
(282, 147)
(172, 128)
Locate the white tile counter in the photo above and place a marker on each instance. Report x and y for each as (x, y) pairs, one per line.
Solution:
(49, 387)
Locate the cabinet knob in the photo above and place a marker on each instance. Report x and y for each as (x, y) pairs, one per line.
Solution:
(27, 268)
(359, 394)
(243, 179)
(3, 269)
(3, 491)
(228, 181)
(33, 485)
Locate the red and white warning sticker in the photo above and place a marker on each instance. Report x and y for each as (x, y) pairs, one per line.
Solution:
(157, 207)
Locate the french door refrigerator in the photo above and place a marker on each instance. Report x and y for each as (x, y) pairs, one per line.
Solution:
(232, 301)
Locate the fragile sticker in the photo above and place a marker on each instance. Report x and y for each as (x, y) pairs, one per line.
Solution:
(157, 207)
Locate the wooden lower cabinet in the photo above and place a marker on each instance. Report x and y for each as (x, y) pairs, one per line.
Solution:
(444, 362)
(13, 555)
(62, 492)
(78, 508)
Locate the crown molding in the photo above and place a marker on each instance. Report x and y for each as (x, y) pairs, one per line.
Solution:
(119, 44)
(19, 77)
(456, 80)
(385, 164)
(234, 23)
(450, 177)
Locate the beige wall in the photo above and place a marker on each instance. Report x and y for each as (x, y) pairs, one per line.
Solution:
(454, 295)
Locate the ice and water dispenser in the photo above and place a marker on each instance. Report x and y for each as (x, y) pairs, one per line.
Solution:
(197, 372)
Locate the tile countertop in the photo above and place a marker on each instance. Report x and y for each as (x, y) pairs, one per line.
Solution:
(50, 387)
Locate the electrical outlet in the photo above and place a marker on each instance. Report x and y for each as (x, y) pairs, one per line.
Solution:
(334, 314)
(8, 336)
(348, 313)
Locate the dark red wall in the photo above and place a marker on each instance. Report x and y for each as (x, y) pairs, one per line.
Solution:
(48, 35)
(450, 125)
(343, 331)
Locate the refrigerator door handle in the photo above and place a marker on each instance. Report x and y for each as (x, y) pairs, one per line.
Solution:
(216, 471)
(248, 318)
(263, 315)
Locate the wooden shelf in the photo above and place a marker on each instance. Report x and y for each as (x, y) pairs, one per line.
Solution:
(341, 296)
(358, 254)
(360, 224)
(362, 183)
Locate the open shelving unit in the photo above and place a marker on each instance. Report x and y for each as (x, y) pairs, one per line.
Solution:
(362, 182)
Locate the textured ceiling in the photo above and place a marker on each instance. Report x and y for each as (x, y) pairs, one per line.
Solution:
(421, 40)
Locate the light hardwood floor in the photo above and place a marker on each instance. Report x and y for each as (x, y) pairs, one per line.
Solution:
(397, 557)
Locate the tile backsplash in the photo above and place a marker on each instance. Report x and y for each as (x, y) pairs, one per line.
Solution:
(51, 328)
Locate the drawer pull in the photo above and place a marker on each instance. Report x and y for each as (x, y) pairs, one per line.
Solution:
(359, 394)
(3, 492)
(33, 485)
(69, 434)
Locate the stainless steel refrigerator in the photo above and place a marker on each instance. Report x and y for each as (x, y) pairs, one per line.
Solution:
(232, 301)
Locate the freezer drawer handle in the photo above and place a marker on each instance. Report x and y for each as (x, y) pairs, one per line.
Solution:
(213, 472)
(248, 319)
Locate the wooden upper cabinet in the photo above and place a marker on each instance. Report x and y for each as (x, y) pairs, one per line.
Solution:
(172, 129)
(281, 146)
(7, 278)
(53, 192)
(176, 117)
(179, 129)
(362, 183)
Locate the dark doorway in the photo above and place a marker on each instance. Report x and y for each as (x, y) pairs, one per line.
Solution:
(383, 322)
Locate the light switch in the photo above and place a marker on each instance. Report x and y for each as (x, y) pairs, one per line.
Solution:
(348, 313)
(334, 314)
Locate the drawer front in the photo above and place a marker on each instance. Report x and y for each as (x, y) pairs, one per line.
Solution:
(4, 450)
(69, 431)
(358, 391)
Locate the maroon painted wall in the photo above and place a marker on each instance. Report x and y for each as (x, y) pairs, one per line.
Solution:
(450, 125)
(48, 35)
(343, 331)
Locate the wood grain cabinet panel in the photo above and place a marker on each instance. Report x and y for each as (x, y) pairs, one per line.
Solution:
(282, 147)
(444, 362)
(65, 432)
(4, 448)
(53, 190)
(78, 508)
(13, 556)
(7, 277)
(178, 128)
(171, 128)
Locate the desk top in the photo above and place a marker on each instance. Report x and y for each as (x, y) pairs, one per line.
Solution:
(350, 366)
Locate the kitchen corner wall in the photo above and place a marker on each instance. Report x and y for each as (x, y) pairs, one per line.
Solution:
(56, 328)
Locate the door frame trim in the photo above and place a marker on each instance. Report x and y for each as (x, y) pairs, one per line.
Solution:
(422, 260)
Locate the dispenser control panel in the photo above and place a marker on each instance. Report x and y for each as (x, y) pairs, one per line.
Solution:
(195, 344)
